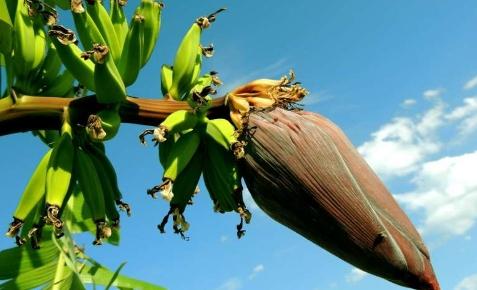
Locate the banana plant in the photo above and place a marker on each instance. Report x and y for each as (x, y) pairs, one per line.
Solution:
(75, 87)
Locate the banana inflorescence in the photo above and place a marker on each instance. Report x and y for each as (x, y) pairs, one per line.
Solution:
(104, 56)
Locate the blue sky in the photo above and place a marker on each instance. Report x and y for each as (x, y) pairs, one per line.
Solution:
(399, 77)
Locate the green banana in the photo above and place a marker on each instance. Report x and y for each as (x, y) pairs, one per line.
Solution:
(90, 183)
(99, 154)
(100, 16)
(87, 29)
(179, 156)
(40, 43)
(119, 21)
(23, 46)
(186, 182)
(33, 225)
(197, 65)
(107, 187)
(59, 174)
(51, 66)
(109, 86)
(103, 126)
(176, 122)
(71, 56)
(185, 63)
(166, 146)
(166, 79)
(152, 25)
(49, 137)
(130, 62)
(61, 87)
(223, 180)
(33, 193)
(223, 133)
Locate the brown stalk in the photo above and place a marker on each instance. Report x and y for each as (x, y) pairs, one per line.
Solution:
(26, 113)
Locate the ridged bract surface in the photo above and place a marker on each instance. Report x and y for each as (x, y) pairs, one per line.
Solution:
(304, 172)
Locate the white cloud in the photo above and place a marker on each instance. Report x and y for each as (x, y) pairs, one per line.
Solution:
(408, 102)
(257, 269)
(466, 115)
(355, 275)
(432, 94)
(398, 147)
(231, 284)
(224, 238)
(469, 108)
(468, 283)
(470, 84)
(446, 192)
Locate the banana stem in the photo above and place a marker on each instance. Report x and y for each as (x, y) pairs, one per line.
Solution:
(26, 113)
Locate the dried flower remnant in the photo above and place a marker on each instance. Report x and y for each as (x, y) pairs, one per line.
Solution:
(303, 171)
(263, 93)
(165, 188)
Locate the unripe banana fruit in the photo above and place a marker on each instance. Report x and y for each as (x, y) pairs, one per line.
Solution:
(104, 125)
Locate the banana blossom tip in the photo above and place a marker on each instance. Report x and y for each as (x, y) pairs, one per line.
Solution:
(302, 170)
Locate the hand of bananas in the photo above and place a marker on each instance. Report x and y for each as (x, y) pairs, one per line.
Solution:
(74, 163)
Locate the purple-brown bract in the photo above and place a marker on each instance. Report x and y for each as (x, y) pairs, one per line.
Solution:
(304, 172)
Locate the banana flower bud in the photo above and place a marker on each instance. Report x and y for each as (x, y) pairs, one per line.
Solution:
(303, 171)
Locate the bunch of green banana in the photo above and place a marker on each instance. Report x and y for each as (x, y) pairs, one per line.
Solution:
(91, 185)
(32, 196)
(140, 40)
(187, 62)
(221, 174)
(97, 151)
(103, 47)
(59, 176)
(109, 189)
(182, 162)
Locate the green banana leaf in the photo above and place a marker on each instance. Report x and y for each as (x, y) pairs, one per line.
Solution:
(19, 260)
(99, 275)
(32, 279)
(6, 29)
